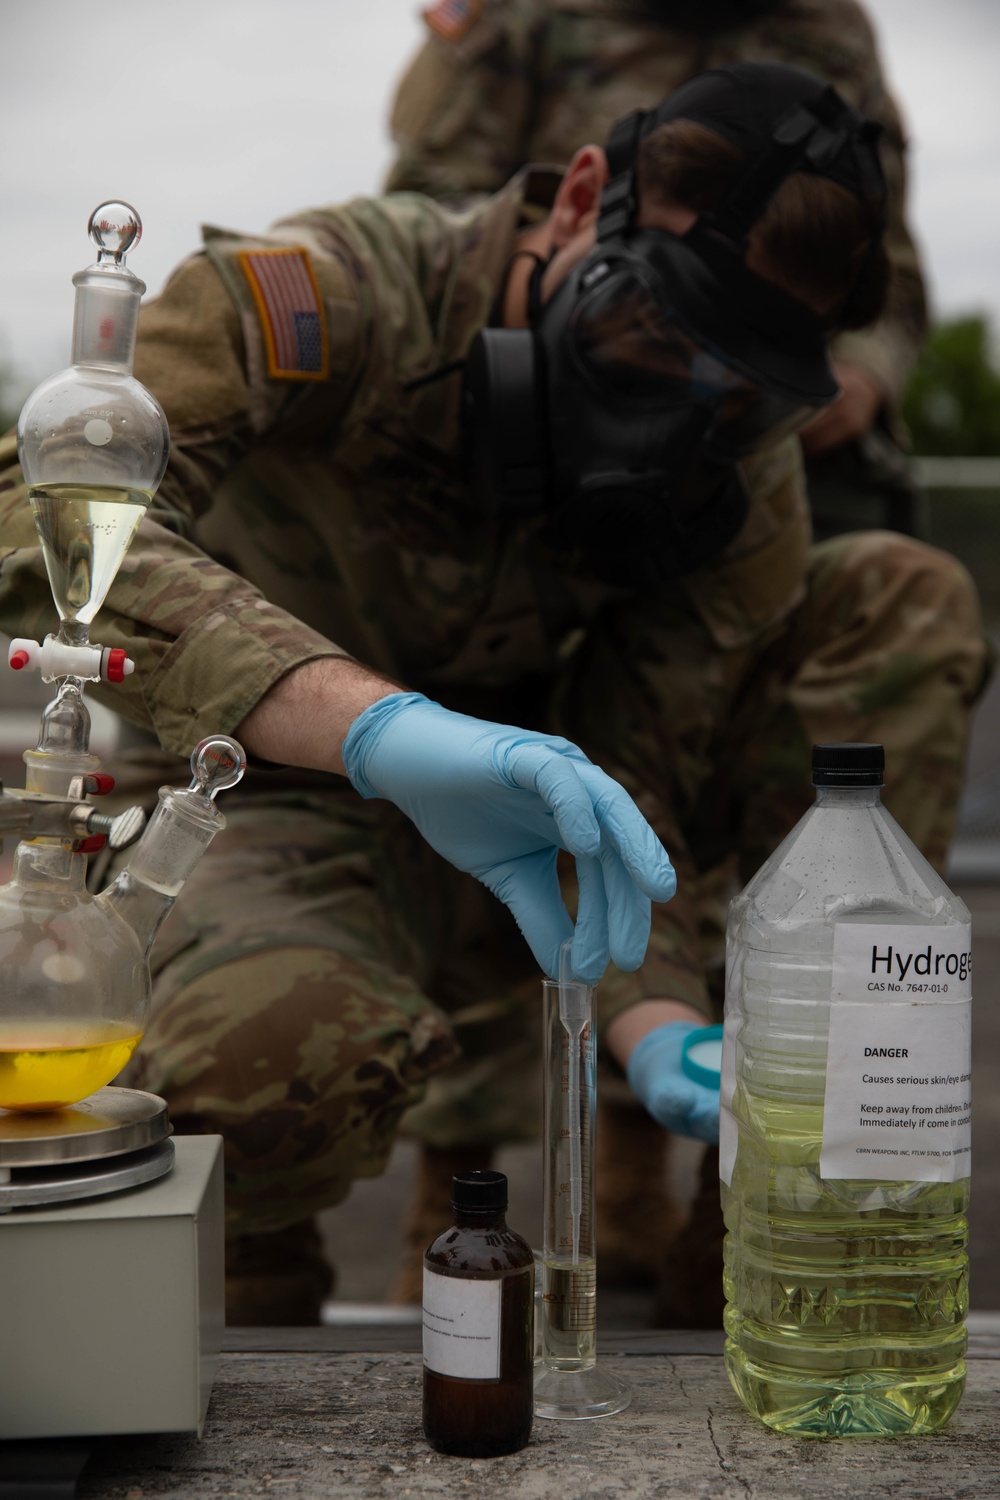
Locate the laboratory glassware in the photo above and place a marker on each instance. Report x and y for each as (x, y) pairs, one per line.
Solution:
(569, 1382)
(845, 1128)
(478, 1306)
(76, 993)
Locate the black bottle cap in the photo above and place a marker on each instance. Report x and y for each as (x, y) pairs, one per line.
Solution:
(848, 765)
(479, 1192)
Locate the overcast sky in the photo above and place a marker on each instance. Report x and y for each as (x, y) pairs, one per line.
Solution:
(238, 111)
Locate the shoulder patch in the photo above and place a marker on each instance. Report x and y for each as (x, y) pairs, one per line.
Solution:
(292, 316)
(451, 19)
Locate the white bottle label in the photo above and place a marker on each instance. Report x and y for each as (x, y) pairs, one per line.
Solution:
(462, 1326)
(899, 1067)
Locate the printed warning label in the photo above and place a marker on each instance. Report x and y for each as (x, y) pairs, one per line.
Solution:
(899, 1066)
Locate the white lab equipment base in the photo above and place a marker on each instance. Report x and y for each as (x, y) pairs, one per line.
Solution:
(113, 1309)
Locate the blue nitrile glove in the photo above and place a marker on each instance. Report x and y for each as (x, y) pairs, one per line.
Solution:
(499, 802)
(657, 1079)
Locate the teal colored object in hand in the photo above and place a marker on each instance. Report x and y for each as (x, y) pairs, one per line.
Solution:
(701, 1056)
(499, 803)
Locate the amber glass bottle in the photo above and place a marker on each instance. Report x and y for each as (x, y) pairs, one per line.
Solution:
(479, 1281)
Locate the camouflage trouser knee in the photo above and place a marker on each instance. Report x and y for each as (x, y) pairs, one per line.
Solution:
(292, 995)
(887, 647)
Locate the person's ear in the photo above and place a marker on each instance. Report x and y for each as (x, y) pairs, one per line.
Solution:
(578, 199)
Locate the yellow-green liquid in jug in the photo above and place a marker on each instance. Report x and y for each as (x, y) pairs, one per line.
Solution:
(846, 1300)
(45, 1064)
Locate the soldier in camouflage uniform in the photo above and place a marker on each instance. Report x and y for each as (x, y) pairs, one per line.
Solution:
(323, 960)
(499, 83)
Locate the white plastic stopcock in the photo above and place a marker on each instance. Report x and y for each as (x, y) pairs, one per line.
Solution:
(54, 658)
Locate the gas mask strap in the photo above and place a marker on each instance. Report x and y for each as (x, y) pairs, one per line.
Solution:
(872, 175)
(440, 373)
(811, 135)
(619, 200)
(534, 286)
(539, 269)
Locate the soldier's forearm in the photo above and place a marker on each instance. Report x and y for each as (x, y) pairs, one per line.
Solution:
(630, 1026)
(304, 718)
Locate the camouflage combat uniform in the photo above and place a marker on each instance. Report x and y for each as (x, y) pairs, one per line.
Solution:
(499, 83)
(322, 959)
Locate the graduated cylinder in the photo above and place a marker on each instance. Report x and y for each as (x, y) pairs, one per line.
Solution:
(569, 1309)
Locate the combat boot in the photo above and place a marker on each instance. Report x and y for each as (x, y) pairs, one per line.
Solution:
(429, 1212)
(690, 1294)
(279, 1279)
(635, 1217)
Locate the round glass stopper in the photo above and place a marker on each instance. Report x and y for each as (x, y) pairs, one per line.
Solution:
(114, 228)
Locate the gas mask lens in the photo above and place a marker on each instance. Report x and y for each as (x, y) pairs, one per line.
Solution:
(627, 340)
(621, 338)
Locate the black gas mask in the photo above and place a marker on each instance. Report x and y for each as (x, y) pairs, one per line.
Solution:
(661, 361)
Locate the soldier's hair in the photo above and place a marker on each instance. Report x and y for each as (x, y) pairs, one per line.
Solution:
(814, 235)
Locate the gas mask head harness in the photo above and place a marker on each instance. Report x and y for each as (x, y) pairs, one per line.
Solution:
(661, 360)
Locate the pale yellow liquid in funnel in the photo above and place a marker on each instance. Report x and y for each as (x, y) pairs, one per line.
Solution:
(45, 1064)
(85, 531)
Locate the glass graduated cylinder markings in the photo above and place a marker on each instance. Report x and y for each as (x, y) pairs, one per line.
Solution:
(569, 1267)
(570, 1384)
(569, 1313)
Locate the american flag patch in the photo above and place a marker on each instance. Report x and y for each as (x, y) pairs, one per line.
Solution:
(292, 318)
(451, 19)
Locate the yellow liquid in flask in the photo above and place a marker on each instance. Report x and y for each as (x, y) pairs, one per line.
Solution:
(45, 1064)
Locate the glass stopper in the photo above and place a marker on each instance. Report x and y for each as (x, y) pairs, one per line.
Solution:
(217, 763)
(114, 229)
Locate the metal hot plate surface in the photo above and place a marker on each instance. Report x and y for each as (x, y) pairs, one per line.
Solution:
(108, 1123)
(68, 1182)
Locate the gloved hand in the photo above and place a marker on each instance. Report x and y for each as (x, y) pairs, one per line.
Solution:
(657, 1079)
(499, 802)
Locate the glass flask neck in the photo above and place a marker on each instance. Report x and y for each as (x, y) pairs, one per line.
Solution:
(848, 796)
(174, 839)
(63, 751)
(66, 720)
(106, 317)
(138, 904)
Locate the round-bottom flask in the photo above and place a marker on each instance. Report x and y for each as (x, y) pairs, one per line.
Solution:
(76, 984)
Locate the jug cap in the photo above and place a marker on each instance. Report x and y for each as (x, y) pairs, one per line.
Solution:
(850, 765)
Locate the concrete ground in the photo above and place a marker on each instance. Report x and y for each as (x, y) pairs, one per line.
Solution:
(304, 1420)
